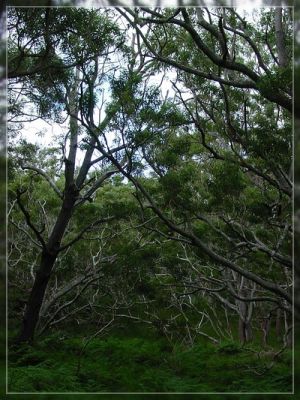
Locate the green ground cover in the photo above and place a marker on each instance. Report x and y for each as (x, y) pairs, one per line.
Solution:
(129, 364)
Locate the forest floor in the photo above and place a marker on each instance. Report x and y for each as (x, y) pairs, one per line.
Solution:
(131, 364)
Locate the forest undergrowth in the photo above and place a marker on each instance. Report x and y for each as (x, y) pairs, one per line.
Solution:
(145, 364)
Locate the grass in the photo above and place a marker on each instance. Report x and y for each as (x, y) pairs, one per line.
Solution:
(118, 364)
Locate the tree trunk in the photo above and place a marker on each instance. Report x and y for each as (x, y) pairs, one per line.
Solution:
(242, 331)
(266, 325)
(48, 258)
(288, 338)
(281, 49)
(36, 298)
(245, 331)
(278, 325)
(245, 315)
(288, 330)
(248, 331)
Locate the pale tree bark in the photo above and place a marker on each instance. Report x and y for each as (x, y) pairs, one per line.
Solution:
(245, 311)
(280, 41)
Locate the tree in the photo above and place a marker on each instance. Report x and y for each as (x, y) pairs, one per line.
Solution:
(78, 68)
(242, 144)
(210, 173)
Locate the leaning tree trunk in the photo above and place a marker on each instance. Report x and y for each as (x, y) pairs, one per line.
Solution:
(48, 258)
(35, 301)
(52, 247)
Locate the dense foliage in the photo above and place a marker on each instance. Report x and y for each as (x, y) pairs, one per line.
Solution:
(159, 214)
(144, 365)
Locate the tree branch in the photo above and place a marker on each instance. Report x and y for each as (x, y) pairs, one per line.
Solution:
(48, 179)
(28, 219)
